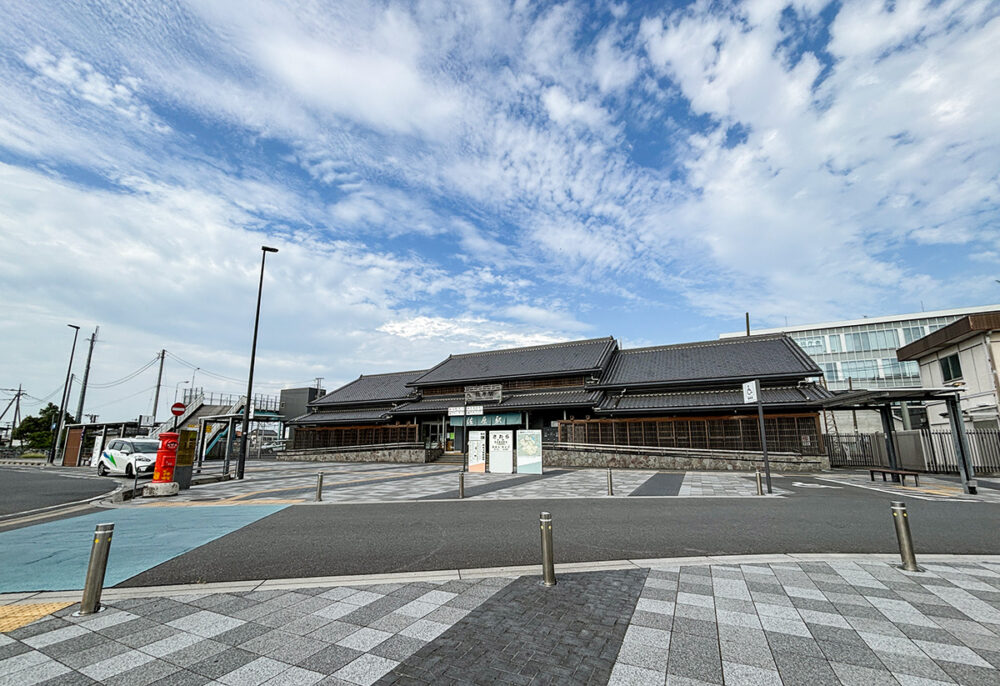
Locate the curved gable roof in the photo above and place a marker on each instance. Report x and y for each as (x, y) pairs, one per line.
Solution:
(556, 359)
(723, 360)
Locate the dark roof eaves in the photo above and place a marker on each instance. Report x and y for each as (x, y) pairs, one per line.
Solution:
(704, 381)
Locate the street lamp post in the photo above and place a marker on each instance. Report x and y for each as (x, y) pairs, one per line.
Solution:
(241, 460)
(177, 387)
(65, 395)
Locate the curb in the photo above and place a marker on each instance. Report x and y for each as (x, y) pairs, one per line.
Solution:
(663, 563)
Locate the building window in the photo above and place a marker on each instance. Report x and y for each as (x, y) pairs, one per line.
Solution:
(872, 340)
(950, 368)
(860, 369)
(812, 345)
(830, 371)
(912, 333)
(835, 342)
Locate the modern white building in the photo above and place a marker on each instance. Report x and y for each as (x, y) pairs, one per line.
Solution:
(964, 355)
(861, 353)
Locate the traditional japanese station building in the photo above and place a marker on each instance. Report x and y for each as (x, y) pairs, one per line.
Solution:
(595, 403)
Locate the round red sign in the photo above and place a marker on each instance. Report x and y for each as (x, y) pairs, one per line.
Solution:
(177, 409)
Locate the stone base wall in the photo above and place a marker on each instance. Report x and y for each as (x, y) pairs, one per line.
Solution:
(637, 458)
(408, 454)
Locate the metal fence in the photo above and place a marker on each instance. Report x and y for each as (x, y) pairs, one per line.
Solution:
(937, 450)
(855, 450)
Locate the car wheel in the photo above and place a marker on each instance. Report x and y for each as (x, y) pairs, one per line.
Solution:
(102, 469)
(128, 471)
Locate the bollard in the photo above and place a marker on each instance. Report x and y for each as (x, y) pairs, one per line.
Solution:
(760, 486)
(611, 488)
(94, 582)
(461, 485)
(548, 566)
(319, 487)
(902, 522)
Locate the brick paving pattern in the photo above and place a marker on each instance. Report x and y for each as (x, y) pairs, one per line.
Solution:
(853, 621)
(335, 635)
(706, 484)
(528, 634)
(838, 622)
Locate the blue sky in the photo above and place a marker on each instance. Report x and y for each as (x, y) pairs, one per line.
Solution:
(450, 176)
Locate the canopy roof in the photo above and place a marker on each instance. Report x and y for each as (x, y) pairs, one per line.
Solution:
(865, 399)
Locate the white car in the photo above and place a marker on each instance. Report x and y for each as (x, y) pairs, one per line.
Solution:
(128, 456)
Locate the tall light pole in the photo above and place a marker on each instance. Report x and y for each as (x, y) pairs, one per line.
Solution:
(65, 395)
(241, 461)
(177, 387)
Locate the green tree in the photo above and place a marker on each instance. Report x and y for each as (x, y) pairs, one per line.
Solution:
(36, 432)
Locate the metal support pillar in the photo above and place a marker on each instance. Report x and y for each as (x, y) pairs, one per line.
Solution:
(548, 563)
(962, 453)
(890, 444)
(229, 445)
(902, 524)
(94, 582)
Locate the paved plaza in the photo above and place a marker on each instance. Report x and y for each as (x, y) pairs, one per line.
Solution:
(853, 620)
(295, 482)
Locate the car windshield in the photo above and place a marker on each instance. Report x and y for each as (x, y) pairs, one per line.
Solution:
(145, 446)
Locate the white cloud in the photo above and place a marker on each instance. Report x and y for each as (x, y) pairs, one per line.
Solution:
(86, 83)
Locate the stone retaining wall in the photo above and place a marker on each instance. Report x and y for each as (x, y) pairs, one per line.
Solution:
(402, 454)
(637, 458)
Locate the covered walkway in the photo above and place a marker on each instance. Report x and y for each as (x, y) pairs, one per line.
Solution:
(882, 400)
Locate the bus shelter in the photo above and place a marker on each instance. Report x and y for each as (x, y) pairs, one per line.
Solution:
(882, 400)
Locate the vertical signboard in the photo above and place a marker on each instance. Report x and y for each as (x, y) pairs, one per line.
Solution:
(529, 451)
(502, 452)
(752, 394)
(477, 451)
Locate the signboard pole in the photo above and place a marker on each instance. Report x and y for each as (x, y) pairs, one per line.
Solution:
(763, 436)
(465, 435)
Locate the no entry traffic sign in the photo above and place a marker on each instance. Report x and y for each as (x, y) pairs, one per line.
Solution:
(177, 409)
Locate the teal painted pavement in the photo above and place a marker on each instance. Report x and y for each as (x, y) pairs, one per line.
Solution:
(53, 556)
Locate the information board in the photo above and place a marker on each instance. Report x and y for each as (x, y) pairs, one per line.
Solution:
(502, 452)
(529, 451)
(477, 451)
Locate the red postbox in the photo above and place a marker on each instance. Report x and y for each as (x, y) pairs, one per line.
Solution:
(166, 458)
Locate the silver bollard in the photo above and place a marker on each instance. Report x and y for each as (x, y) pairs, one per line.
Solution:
(760, 485)
(902, 522)
(319, 487)
(94, 582)
(548, 566)
(611, 487)
(461, 485)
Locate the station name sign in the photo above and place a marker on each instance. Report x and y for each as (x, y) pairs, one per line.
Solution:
(465, 411)
(484, 393)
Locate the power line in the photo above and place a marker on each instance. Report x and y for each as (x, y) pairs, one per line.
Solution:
(127, 377)
(118, 400)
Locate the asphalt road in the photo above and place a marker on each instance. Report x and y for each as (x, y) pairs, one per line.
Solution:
(28, 489)
(329, 539)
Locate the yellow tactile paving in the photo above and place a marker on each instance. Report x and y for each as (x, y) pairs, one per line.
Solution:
(15, 616)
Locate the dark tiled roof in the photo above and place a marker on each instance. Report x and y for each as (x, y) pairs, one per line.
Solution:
(365, 416)
(373, 388)
(557, 359)
(721, 399)
(710, 361)
(570, 398)
(436, 404)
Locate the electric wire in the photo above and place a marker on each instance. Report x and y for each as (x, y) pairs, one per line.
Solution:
(127, 377)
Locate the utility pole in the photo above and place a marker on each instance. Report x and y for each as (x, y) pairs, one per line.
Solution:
(86, 375)
(159, 378)
(65, 395)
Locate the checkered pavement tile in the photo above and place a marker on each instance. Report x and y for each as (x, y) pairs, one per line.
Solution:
(239, 641)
